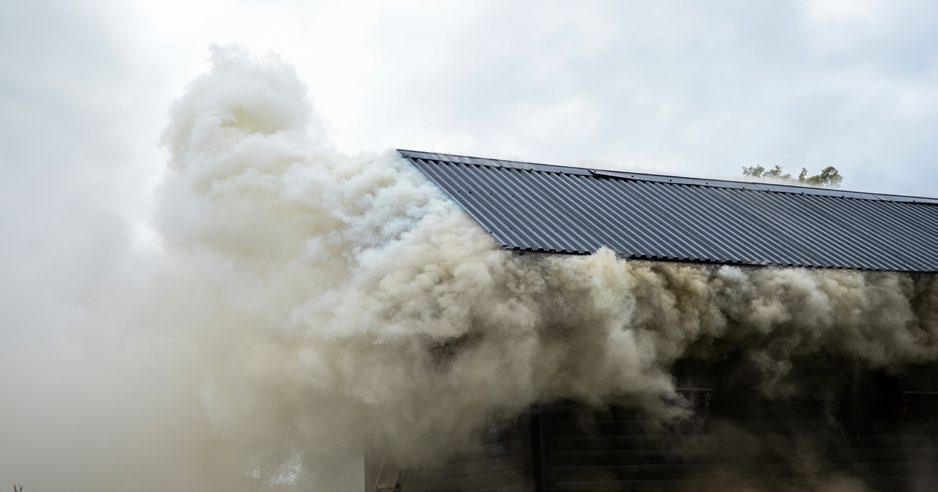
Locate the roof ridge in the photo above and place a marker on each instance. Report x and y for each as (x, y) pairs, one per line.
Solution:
(670, 179)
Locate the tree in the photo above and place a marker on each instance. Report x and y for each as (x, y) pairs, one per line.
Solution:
(829, 177)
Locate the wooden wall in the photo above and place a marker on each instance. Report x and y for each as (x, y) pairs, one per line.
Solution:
(882, 433)
(500, 461)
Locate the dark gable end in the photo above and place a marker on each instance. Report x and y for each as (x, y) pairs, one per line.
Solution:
(560, 209)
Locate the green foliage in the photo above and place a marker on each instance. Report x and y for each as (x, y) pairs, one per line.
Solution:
(829, 177)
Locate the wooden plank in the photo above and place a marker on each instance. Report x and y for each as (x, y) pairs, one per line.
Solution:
(501, 479)
(465, 468)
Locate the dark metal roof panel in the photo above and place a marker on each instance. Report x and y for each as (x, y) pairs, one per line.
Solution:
(563, 209)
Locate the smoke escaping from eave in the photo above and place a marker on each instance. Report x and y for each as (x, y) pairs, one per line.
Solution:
(311, 305)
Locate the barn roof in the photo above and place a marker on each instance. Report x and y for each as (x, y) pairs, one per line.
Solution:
(573, 210)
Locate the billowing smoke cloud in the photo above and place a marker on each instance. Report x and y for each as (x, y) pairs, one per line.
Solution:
(310, 305)
(363, 308)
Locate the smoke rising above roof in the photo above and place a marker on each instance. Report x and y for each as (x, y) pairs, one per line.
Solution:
(310, 305)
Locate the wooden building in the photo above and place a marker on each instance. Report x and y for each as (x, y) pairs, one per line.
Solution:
(877, 432)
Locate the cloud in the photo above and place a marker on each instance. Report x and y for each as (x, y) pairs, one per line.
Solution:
(662, 86)
(665, 86)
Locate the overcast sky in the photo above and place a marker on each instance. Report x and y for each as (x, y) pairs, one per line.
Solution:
(698, 89)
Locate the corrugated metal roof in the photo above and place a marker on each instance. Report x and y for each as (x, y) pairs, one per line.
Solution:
(561, 209)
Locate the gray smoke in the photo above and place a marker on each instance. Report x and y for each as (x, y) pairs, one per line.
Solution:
(343, 279)
(309, 305)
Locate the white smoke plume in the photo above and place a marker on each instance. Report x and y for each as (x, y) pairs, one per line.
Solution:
(308, 306)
